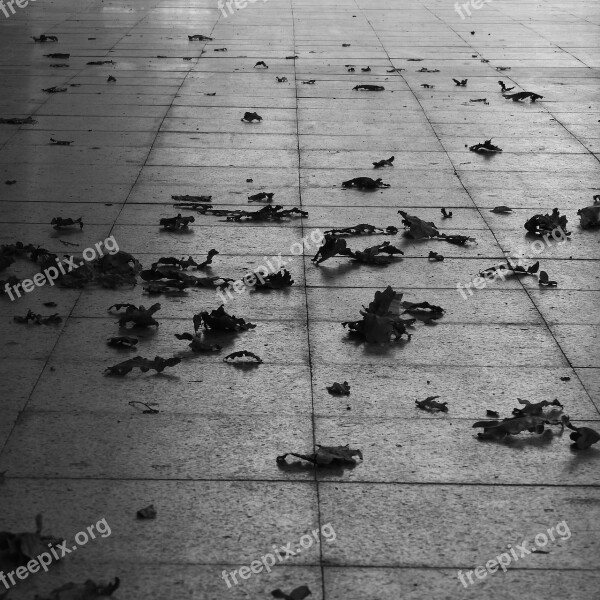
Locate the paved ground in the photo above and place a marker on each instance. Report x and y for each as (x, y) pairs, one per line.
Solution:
(429, 498)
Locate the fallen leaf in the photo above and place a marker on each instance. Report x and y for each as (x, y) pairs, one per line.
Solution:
(159, 364)
(339, 389)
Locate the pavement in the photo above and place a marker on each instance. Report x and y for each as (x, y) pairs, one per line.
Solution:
(429, 502)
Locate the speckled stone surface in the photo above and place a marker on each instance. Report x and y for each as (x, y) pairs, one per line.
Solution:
(429, 503)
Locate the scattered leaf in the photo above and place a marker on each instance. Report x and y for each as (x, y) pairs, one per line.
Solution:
(242, 354)
(544, 280)
(446, 215)
(251, 116)
(198, 37)
(501, 210)
(148, 512)
(44, 38)
(144, 364)
(261, 197)
(362, 229)
(523, 95)
(384, 162)
(18, 548)
(122, 341)
(298, 593)
(262, 64)
(435, 256)
(364, 183)
(504, 88)
(18, 121)
(339, 389)
(177, 223)
(101, 62)
(281, 79)
(58, 55)
(220, 320)
(461, 83)
(430, 405)
(38, 319)
(327, 456)
(187, 198)
(54, 142)
(541, 224)
(584, 437)
(59, 222)
(197, 344)
(275, 281)
(485, 148)
(369, 88)
(589, 216)
(85, 591)
(138, 315)
(54, 90)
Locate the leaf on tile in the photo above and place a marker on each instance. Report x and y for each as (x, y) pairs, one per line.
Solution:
(589, 216)
(369, 88)
(327, 456)
(58, 55)
(138, 315)
(298, 593)
(485, 148)
(583, 437)
(18, 121)
(111, 79)
(249, 117)
(54, 90)
(159, 364)
(18, 548)
(44, 38)
(243, 354)
(220, 320)
(384, 162)
(261, 197)
(101, 62)
(364, 183)
(339, 389)
(545, 280)
(499, 430)
(549, 223)
(501, 210)
(381, 322)
(445, 214)
(198, 37)
(197, 343)
(190, 199)
(461, 83)
(38, 319)
(148, 512)
(309, 81)
(430, 405)
(426, 70)
(417, 228)
(435, 256)
(59, 222)
(362, 229)
(177, 223)
(366, 70)
(54, 142)
(122, 341)
(274, 281)
(83, 591)
(503, 87)
(181, 263)
(281, 79)
(262, 64)
(523, 96)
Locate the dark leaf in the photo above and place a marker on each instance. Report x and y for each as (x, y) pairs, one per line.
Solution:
(523, 95)
(45, 38)
(435, 256)
(462, 82)
(251, 116)
(485, 148)
(262, 64)
(17, 121)
(261, 197)
(198, 37)
(369, 88)
(327, 455)
(501, 210)
(297, 594)
(188, 198)
(197, 343)
(584, 437)
(446, 215)
(123, 341)
(177, 223)
(339, 389)
(275, 281)
(362, 229)
(242, 354)
(590, 215)
(38, 319)
(144, 364)
(382, 163)
(549, 223)
(85, 591)
(149, 512)
(221, 321)
(59, 222)
(430, 405)
(504, 88)
(544, 280)
(364, 183)
(138, 315)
